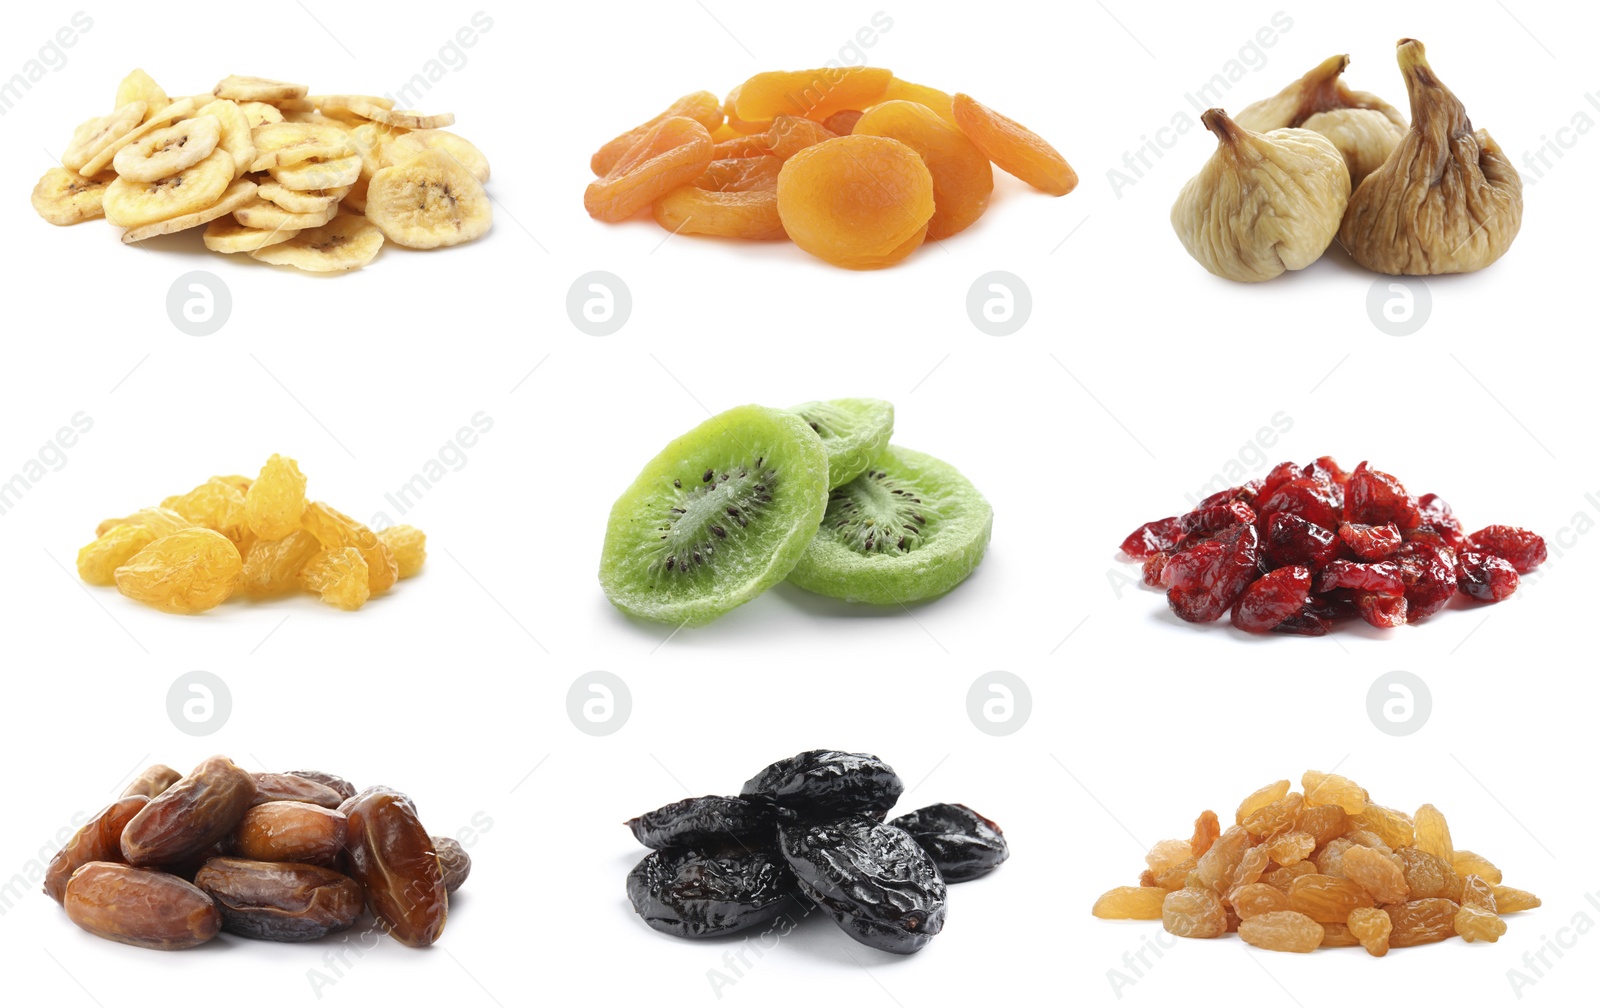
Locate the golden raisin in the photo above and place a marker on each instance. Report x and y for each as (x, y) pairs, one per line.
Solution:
(1282, 879)
(272, 567)
(1256, 899)
(1168, 854)
(1467, 863)
(1216, 870)
(1477, 924)
(339, 576)
(276, 498)
(1270, 820)
(702, 106)
(187, 572)
(862, 202)
(962, 178)
(1433, 833)
(670, 154)
(215, 505)
(161, 521)
(1395, 827)
(1014, 147)
(1509, 900)
(1338, 936)
(1332, 789)
(1291, 848)
(1371, 927)
(409, 546)
(1380, 877)
(1130, 903)
(1477, 892)
(1421, 922)
(98, 561)
(1282, 931)
(1322, 823)
(1261, 798)
(1327, 899)
(335, 530)
(1426, 875)
(1206, 831)
(1194, 913)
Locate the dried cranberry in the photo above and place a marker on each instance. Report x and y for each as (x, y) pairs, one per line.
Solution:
(1325, 468)
(1436, 514)
(1293, 541)
(1522, 549)
(1272, 599)
(1153, 565)
(1383, 611)
(1213, 519)
(1429, 573)
(1281, 473)
(1375, 497)
(1314, 501)
(1153, 536)
(1205, 580)
(1305, 624)
(1220, 497)
(1486, 577)
(1370, 542)
(1379, 578)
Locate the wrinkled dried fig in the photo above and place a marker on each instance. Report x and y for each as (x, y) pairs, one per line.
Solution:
(1264, 203)
(1446, 201)
(1363, 126)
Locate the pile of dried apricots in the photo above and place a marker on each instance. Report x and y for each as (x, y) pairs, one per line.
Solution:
(854, 165)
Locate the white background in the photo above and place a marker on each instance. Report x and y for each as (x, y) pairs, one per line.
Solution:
(1137, 378)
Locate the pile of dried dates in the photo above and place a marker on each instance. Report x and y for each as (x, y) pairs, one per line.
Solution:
(1308, 545)
(806, 833)
(280, 857)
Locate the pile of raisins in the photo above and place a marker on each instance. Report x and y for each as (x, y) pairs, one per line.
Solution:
(279, 857)
(1322, 867)
(1309, 545)
(808, 833)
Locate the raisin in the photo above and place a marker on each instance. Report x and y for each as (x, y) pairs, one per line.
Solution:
(140, 906)
(1205, 580)
(190, 816)
(1130, 903)
(409, 546)
(1257, 898)
(215, 504)
(1282, 931)
(1376, 498)
(454, 861)
(1194, 913)
(1153, 537)
(702, 106)
(1206, 831)
(1376, 873)
(1421, 921)
(393, 858)
(187, 572)
(1272, 819)
(1486, 577)
(99, 839)
(272, 567)
(275, 499)
(822, 784)
(1522, 549)
(98, 561)
(1371, 926)
(672, 153)
(962, 178)
(339, 576)
(700, 894)
(1332, 789)
(963, 844)
(290, 831)
(1467, 863)
(335, 530)
(871, 878)
(1261, 798)
(272, 787)
(152, 780)
(861, 202)
(1370, 542)
(1509, 900)
(1015, 148)
(1323, 898)
(1273, 598)
(711, 821)
(1291, 848)
(279, 902)
(1433, 834)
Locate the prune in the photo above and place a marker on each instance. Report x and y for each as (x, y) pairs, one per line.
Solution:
(711, 821)
(823, 784)
(393, 858)
(1522, 549)
(140, 906)
(871, 878)
(1485, 577)
(290, 831)
(152, 781)
(342, 787)
(279, 902)
(1205, 580)
(277, 787)
(454, 862)
(190, 816)
(700, 894)
(962, 843)
(99, 839)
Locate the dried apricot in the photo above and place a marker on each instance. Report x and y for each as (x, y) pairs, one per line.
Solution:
(1014, 147)
(672, 153)
(962, 178)
(814, 94)
(702, 106)
(786, 137)
(187, 572)
(1131, 903)
(862, 202)
(734, 198)
(1282, 931)
(941, 102)
(275, 499)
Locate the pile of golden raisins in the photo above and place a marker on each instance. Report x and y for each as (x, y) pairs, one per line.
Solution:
(854, 165)
(258, 538)
(1323, 867)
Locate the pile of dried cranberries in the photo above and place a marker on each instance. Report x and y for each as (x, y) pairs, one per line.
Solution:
(1307, 545)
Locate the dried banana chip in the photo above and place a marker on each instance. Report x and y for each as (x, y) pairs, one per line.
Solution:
(235, 196)
(140, 86)
(258, 89)
(174, 111)
(347, 242)
(319, 173)
(287, 143)
(133, 204)
(65, 197)
(260, 113)
(227, 235)
(368, 108)
(428, 202)
(258, 213)
(95, 135)
(409, 145)
(235, 135)
(298, 201)
(170, 150)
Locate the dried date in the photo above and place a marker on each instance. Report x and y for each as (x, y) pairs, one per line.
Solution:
(872, 879)
(190, 816)
(962, 843)
(392, 856)
(290, 831)
(271, 787)
(99, 839)
(152, 781)
(279, 902)
(454, 862)
(140, 906)
(344, 788)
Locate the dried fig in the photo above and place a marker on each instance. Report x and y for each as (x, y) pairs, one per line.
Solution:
(1363, 126)
(1447, 200)
(1264, 203)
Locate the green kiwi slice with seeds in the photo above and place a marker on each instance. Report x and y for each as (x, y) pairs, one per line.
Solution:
(909, 528)
(854, 432)
(718, 517)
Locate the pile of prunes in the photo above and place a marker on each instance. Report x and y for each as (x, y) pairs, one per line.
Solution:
(806, 833)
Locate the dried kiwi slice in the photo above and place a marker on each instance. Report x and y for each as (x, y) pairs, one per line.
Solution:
(910, 527)
(717, 518)
(854, 432)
